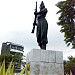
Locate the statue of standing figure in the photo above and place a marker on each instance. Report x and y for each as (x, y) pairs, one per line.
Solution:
(42, 26)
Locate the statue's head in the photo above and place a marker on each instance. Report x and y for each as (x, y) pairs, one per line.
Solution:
(42, 5)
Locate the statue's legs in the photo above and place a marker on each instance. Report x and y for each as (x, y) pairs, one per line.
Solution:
(40, 45)
(43, 46)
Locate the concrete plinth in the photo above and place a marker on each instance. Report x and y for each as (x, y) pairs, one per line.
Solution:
(45, 62)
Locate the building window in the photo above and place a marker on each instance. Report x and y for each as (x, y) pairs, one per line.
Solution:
(20, 48)
(13, 46)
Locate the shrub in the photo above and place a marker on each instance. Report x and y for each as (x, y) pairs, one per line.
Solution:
(10, 69)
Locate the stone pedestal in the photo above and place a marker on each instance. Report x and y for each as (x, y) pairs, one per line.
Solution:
(45, 62)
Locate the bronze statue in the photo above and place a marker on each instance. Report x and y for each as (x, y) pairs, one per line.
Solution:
(42, 26)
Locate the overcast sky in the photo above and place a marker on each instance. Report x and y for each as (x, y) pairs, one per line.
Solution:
(16, 22)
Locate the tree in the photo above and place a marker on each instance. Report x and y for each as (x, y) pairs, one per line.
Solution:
(67, 20)
(70, 65)
(8, 58)
(17, 58)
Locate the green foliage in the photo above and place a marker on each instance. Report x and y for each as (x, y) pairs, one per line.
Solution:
(69, 65)
(10, 70)
(17, 57)
(70, 73)
(8, 57)
(67, 20)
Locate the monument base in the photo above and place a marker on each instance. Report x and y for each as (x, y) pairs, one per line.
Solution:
(45, 62)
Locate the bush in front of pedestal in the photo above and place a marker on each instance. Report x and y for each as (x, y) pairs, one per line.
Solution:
(10, 69)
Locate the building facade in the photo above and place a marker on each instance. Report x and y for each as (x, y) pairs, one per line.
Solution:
(11, 48)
